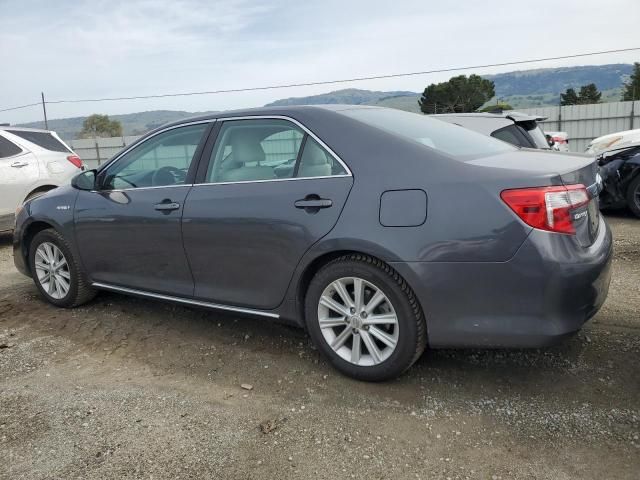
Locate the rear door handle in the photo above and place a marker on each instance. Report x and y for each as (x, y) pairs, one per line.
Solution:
(313, 203)
(19, 164)
(167, 206)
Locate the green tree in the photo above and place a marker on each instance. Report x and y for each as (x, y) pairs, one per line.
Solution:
(97, 125)
(589, 94)
(570, 97)
(459, 94)
(632, 87)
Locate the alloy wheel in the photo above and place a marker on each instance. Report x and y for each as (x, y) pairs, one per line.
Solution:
(52, 270)
(358, 321)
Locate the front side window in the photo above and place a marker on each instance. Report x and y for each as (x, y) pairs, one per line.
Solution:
(162, 160)
(8, 148)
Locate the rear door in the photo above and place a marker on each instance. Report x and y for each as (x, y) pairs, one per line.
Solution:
(18, 172)
(269, 190)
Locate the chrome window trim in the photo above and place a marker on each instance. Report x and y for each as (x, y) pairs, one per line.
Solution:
(269, 180)
(306, 130)
(199, 303)
(142, 188)
(224, 119)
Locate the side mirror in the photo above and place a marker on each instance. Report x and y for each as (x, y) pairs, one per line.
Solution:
(85, 180)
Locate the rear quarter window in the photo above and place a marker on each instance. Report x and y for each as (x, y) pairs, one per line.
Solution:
(42, 139)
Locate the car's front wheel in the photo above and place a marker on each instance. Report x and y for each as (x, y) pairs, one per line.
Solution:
(56, 272)
(365, 318)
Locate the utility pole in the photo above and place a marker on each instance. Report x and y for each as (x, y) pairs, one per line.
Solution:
(44, 110)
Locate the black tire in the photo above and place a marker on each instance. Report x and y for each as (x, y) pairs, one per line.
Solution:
(412, 336)
(633, 196)
(79, 289)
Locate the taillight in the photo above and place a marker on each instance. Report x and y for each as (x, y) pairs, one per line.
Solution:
(76, 160)
(547, 208)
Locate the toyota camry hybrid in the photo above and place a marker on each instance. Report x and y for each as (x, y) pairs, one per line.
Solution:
(381, 232)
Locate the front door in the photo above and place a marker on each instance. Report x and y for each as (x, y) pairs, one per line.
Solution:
(270, 191)
(128, 232)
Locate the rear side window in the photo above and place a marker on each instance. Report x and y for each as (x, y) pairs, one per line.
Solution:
(42, 139)
(447, 138)
(8, 148)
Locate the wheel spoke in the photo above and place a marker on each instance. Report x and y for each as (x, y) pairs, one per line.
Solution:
(52, 285)
(331, 322)
(358, 293)
(377, 298)
(64, 285)
(382, 319)
(371, 347)
(355, 349)
(42, 254)
(331, 304)
(64, 274)
(41, 265)
(342, 291)
(61, 263)
(340, 339)
(384, 337)
(49, 252)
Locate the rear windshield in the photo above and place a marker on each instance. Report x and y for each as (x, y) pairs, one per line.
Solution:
(448, 138)
(42, 139)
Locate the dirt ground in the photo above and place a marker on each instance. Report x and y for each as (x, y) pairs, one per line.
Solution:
(129, 388)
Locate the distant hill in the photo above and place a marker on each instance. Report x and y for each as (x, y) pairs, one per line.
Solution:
(521, 89)
(132, 123)
(350, 96)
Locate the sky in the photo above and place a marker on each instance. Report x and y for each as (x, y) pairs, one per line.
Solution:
(91, 49)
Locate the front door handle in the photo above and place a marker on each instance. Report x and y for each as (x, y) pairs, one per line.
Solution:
(19, 164)
(167, 206)
(314, 203)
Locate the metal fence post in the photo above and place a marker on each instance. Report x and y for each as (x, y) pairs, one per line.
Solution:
(97, 150)
(633, 113)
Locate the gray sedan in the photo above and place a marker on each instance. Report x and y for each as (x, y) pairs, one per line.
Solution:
(379, 231)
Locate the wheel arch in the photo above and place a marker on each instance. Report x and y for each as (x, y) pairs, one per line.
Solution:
(30, 231)
(315, 261)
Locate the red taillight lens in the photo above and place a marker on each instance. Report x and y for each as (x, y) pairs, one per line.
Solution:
(547, 208)
(76, 160)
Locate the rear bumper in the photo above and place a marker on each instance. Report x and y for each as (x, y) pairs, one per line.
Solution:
(546, 292)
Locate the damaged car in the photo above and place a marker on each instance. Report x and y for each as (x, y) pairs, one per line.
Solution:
(618, 156)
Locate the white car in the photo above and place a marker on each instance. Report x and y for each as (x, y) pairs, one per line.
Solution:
(31, 162)
(614, 141)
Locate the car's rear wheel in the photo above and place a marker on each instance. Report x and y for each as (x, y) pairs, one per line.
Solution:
(633, 196)
(56, 272)
(365, 318)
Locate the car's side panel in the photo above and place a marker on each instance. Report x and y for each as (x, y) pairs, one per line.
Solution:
(18, 175)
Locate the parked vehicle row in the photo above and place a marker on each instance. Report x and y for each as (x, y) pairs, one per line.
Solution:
(377, 230)
(31, 163)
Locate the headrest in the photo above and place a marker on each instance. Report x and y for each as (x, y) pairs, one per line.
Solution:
(246, 150)
(314, 154)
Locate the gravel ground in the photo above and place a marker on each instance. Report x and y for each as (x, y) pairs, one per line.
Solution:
(129, 388)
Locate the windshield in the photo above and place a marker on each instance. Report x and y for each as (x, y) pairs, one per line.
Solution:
(448, 138)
